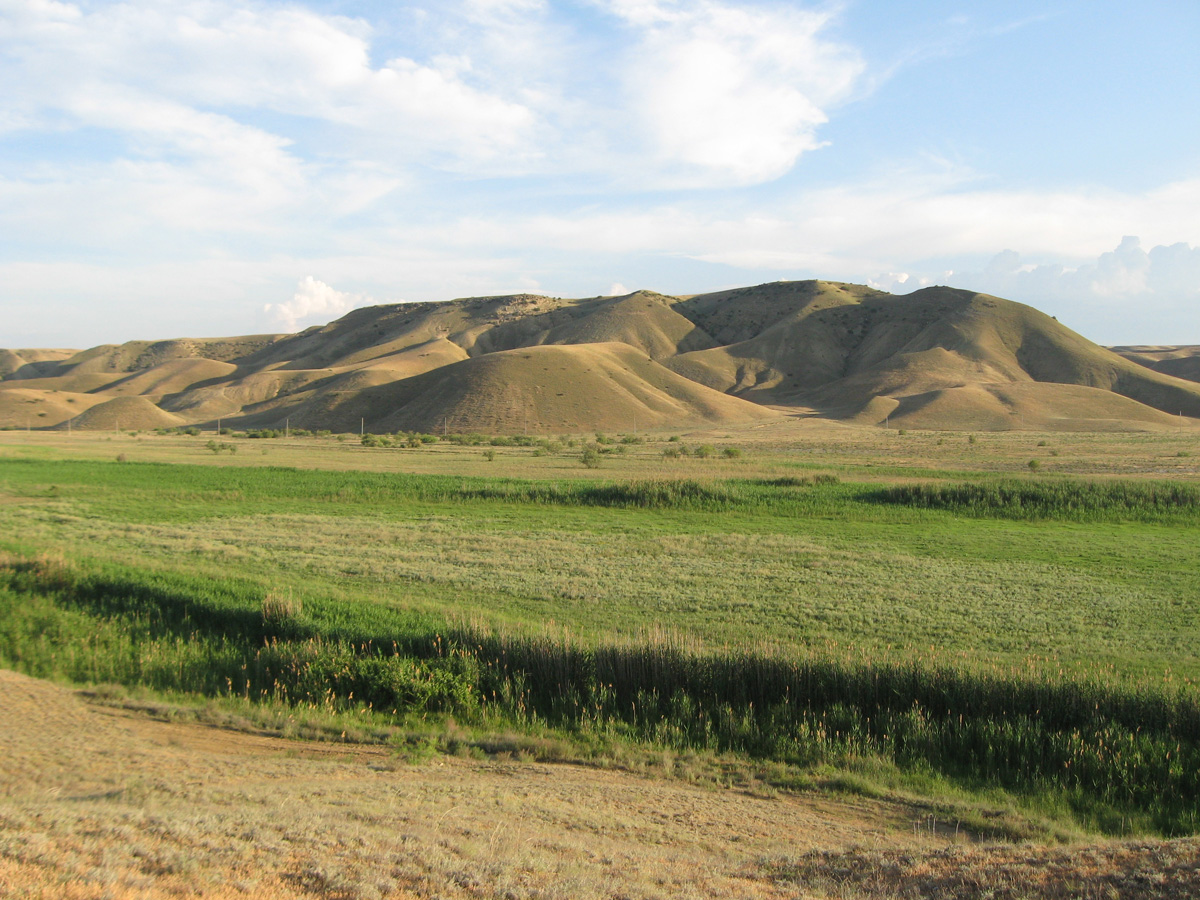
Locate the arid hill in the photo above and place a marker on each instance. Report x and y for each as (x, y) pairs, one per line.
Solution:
(938, 358)
(1182, 362)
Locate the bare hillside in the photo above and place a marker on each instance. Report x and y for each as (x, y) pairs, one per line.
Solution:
(1181, 362)
(939, 358)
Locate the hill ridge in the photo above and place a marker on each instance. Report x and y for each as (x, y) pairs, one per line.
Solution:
(940, 357)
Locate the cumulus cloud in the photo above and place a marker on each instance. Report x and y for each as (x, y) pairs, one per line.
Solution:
(1127, 273)
(733, 94)
(314, 302)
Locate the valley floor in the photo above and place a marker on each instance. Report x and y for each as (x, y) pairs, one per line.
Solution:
(103, 801)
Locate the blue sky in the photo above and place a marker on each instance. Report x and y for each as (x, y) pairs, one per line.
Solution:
(216, 167)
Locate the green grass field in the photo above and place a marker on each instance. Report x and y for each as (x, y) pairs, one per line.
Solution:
(888, 617)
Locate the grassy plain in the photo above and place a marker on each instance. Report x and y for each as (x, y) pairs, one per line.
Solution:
(783, 616)
(793, 565)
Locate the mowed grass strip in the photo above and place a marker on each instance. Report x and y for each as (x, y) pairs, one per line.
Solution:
(792, 561)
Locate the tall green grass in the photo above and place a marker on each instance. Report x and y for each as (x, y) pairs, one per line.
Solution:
(1111, 749)
(1052, 499)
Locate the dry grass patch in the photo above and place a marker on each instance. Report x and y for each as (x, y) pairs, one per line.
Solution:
(99, 802)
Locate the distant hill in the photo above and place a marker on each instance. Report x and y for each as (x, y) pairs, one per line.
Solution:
(1181, 362)
(939, 358)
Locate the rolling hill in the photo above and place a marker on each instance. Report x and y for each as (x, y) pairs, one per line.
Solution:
(1182, 362)
(939, 358)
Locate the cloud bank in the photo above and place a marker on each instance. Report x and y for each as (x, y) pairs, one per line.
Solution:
(1132, 295)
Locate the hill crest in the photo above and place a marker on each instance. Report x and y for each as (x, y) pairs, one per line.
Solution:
(940, 358)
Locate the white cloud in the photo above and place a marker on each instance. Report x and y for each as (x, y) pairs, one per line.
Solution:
(892, 224)
(314, 302)
(1128, 273)
(617, 290)
(732, 94)
(211, 152)
(247, 59)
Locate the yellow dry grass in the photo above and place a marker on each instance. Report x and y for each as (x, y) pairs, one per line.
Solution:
(98, 801)
(22, 407)
(125, 413)
(103, 801)
(168, 377)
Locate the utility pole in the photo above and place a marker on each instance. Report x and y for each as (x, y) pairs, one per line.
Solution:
(362, 427)
(287, 429)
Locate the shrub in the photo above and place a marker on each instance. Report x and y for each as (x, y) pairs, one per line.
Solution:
(704, 451)
(590, 456)
(280, 609)
(489, 454)
(1034, 465)
(731, 452)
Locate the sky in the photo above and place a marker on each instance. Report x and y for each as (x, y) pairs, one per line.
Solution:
(194, 168)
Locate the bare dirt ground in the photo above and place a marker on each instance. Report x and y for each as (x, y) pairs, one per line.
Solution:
(97, 802)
